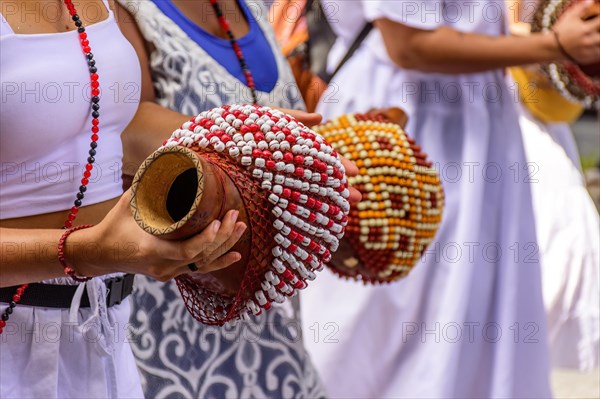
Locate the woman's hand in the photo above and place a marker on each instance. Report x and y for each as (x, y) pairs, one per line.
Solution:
(122, 246)
(579, 38)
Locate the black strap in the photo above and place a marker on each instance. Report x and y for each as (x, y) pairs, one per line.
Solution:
(61, 296)
(355, 45)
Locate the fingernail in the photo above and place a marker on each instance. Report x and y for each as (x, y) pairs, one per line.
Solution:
(216, 226)
(234, 215)
(239, 230)
(237, 257)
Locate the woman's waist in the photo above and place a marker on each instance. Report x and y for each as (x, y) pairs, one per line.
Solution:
(90, 214)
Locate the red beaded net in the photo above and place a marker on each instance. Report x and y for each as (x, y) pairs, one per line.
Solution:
(402, 199)
(577, 83)
(295, 192)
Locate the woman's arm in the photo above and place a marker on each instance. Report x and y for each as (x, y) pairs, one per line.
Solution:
(446, 50)
(117, 244)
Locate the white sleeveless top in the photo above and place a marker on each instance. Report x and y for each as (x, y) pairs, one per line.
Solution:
(45, 116)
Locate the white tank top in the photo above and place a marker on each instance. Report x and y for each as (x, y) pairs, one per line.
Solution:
(45, 116)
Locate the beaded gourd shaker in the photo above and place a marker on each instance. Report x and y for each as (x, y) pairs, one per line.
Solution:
(402, 197)
(288, 184)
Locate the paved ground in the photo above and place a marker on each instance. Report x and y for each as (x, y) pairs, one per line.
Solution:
(568, 383)
(572, 384)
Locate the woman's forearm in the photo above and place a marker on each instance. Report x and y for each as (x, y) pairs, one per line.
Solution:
(150, 127)
(30, 255)
(448, 51)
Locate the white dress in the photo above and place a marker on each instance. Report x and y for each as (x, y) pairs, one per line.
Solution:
(568, 231)
(469, 320)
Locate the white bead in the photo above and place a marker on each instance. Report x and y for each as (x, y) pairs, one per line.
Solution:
(276, 251)
(247, 150)
(260, 297)
(273, 199)
(266, 185)
(278, 224)
(246, 161)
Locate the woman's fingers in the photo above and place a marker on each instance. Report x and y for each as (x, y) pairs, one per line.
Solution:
(351, 168)
(210, 256)
(219, 263)
(307, 118)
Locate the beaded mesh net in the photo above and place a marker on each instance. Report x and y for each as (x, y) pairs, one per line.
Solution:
(295, 192)
(402, 199)
(568, 78)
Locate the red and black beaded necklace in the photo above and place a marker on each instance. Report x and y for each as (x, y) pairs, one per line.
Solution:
(236, 48)
(95, 106)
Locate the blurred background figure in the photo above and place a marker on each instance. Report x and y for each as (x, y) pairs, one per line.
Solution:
(470, 319)
(567, 222)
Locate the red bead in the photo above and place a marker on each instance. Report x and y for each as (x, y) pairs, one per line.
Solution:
(87, 174)
(299, 159)
(95, 92)
(287, 274)
(295, 195)
(74, 210)
(95, 84)
(2, 325)
(83, 36)
(245, 129)
(281, 284)
(324, 177)
(84, 181)
(94, 137)
(312, 217)
(254, 128)
(288, 157)
(299, 172)
(68, 223)
(16, 297)
(87, 49)
(293, 248)
(95, 121)
(311, 202)
(286, 131)
(270, 165)
(287, 193)
(85, 42)
(267, 305)
(292, 208)
(259, 136)
(300, 285)
(88, 167)
(95, 129)
(316, 145)
(256, 153)
(267, 154)
(20, 291)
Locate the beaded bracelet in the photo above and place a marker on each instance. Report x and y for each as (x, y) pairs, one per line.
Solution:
(69, 271)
